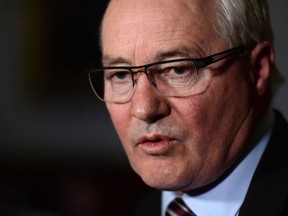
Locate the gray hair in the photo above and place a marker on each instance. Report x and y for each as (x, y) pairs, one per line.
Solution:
(243, 22)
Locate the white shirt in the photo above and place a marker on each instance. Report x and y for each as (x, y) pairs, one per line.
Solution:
(226, 198)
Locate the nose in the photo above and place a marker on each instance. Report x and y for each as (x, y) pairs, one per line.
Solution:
(147, 104)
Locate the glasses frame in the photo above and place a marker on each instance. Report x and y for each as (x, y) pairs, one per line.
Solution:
(198, 63)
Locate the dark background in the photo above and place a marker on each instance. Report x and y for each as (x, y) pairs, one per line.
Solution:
(59, 154)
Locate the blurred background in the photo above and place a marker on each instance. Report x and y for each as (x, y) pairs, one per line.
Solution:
(59, 154)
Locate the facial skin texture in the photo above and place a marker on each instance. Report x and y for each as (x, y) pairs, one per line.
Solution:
(181, 143)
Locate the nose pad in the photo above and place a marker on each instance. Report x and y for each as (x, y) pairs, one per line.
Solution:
(134, 82)
(150, 78)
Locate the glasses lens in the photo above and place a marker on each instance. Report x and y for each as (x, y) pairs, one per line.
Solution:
(177, 78)
(112, 85)
(96, 80)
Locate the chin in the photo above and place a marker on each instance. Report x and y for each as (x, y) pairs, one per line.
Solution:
(167, 185)
(164, 173)
(165, 182)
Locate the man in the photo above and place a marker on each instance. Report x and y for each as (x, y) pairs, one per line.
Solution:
(188, 87)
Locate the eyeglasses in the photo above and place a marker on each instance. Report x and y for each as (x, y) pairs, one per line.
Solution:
(171, 78)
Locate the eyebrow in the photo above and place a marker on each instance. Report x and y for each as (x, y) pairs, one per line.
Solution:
(110, 61)
(180, 52)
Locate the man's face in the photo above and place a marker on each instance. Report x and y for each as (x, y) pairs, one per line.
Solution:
(177, 143)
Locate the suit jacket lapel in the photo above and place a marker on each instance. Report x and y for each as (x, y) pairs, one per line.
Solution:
(267, 193)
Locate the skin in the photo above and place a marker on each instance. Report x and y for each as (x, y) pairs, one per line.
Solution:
(183, 143)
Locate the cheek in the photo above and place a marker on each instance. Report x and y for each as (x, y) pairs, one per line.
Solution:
(210, 116)
(120, 115)
(192, 115)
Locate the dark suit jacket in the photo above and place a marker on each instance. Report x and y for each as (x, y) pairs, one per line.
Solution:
(268, 191)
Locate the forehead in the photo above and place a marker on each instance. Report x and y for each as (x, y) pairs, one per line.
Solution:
(137, 7)
(142, 27)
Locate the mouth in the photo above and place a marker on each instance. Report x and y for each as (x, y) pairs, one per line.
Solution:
(155, 145)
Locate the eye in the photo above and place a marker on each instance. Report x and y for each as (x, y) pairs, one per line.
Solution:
(121, 75)
(177, 74)
(181, 70)
(118, 76)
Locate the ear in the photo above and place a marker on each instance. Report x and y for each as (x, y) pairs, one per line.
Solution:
(262, 57)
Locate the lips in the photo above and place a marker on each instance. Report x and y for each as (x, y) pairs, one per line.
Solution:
(156, 144)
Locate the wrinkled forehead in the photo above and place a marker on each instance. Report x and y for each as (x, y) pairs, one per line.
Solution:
(139, 6)
(133, 11)
(131, 25)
